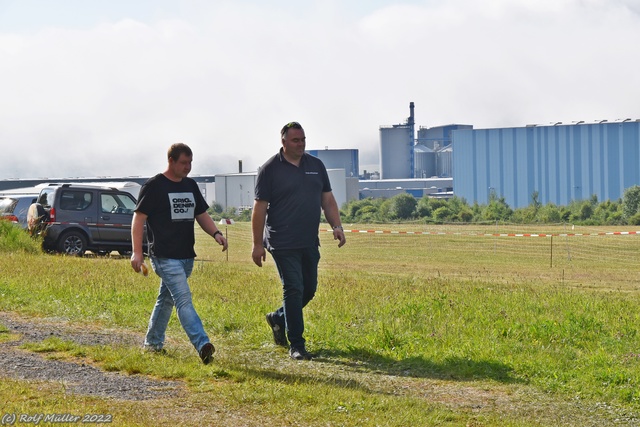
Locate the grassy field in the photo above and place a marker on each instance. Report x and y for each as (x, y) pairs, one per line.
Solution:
(450, 329)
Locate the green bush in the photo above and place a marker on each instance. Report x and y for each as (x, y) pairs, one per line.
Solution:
(631, 201)
(403, 206)
(13, 238)
(635, 219)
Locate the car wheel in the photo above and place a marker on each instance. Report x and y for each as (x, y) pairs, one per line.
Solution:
(37, 217)
(72, 243)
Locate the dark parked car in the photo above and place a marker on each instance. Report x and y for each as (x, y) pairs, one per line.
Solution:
(14, 207)
(74, 218)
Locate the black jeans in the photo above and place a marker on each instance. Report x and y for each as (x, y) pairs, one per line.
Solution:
(298, 270)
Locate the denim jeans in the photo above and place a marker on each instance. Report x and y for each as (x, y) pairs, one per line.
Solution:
(298, 270)
(174, 291)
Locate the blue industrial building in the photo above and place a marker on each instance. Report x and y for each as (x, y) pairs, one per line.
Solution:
(438, 136)
(561, 162)
(346, 159)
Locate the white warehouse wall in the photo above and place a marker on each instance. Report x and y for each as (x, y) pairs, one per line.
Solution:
(238, 189)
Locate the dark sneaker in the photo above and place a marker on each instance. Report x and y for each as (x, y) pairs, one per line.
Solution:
(206, 353)
(300, 353)
(279, 335)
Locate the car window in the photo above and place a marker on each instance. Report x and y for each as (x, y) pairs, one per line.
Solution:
(117, 203)
(46, 197)
(74, 200)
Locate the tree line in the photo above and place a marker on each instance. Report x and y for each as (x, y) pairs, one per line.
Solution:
(405, 207)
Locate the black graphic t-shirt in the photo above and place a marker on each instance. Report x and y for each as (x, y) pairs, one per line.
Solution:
(171, 208)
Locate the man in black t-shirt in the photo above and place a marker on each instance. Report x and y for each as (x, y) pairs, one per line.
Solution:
(291, 190)
(169, 203)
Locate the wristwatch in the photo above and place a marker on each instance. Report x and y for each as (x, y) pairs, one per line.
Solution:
(338, 227)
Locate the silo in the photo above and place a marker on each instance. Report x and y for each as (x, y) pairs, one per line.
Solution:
(444, 162)
(396, 149)
(438, 136)
(425, 162)
(396, 146)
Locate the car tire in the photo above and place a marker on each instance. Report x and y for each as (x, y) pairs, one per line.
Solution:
(72, 243)
(37, 217)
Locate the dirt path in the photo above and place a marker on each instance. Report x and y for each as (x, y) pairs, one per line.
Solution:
(79, 378)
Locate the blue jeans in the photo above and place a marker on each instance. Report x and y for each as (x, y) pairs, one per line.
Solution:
(174, 290)
(298, 270)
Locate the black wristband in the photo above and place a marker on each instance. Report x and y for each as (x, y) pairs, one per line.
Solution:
(216, 233)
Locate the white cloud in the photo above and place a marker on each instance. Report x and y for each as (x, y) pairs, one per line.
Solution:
(109, 98)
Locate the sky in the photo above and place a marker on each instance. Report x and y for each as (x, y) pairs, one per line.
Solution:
(92, 88)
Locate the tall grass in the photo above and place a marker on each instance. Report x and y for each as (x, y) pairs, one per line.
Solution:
(397, 319)
(14, 239)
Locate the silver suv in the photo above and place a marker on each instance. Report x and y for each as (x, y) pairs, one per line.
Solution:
(74, 218)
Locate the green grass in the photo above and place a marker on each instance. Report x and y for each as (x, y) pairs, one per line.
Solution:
(410, 330)
(14, 239)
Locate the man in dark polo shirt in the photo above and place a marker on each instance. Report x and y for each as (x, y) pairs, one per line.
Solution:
(291, 190)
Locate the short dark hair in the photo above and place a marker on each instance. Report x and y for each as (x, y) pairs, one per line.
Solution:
(290, 125)
(177, 149)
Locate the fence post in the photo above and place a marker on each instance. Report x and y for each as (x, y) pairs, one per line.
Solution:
(551, 253)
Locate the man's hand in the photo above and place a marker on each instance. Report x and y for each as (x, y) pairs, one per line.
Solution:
(338, 234)
(259, 254)
(136, 261)
(221, 240)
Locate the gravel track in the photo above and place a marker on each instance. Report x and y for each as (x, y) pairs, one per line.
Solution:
(78, 378)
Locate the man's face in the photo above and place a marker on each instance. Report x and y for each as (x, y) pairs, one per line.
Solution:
(294, 142)
(181, 167)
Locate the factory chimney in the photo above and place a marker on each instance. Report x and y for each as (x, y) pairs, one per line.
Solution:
(412, 141)
(411, 121)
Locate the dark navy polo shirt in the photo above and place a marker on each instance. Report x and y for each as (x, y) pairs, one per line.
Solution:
(294, 194)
